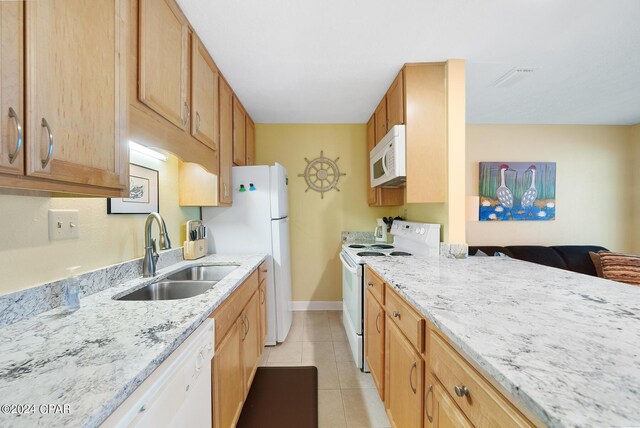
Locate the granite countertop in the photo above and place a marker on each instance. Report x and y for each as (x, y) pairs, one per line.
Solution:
(91, 360)
(566, 345)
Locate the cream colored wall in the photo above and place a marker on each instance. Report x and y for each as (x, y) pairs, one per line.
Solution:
(635, 159)
(594, 173)
(316, 223)
(28, 258)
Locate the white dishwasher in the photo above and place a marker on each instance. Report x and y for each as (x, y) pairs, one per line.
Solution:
(178, 392)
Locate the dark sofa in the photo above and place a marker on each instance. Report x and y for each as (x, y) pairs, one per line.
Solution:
(569, 257)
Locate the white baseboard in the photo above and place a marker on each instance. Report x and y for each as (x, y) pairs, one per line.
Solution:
(301, 305)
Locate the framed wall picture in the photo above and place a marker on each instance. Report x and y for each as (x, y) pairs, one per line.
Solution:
(143, 193)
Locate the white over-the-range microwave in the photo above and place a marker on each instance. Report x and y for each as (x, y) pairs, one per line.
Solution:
(388, 163)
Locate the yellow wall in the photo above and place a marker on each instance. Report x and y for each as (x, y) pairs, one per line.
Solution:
(635, 159)
(316, 223)
(28, 258)
(594, 171)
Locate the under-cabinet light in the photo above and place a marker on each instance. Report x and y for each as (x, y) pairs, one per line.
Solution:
(139, 148)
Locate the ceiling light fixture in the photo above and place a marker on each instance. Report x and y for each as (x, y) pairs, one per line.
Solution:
(139, 148)
(512, 77)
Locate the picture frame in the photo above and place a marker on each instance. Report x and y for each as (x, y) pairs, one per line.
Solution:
(143, 193)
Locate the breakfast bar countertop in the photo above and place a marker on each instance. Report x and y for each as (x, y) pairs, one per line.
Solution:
(565, 344)
(83, 365)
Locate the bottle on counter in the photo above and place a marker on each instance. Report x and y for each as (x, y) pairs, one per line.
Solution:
(72, 290)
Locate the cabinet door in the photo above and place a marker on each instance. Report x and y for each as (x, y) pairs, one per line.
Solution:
(381, 120)
(11, 87)
(239, 134)
(226, 142)
(263, 313)
(163, 61)
(395, 102)
(441, 411)
(251, 340)
(228, 391)
(372, 192)
(374, 341)
(77, 110)
(251, 141)
(403, 379)
(204, 95)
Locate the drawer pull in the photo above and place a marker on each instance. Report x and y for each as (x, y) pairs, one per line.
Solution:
(45, 161)
(377, 319)
(426, 403)
(370, 284)
(396, 314)
(413, 367)
(461, 391)
(12, 114)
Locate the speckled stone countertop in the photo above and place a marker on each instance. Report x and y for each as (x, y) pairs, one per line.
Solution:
(566, 345)
(94, 358)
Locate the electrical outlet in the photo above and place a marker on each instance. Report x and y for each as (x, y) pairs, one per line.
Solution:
(63, 224)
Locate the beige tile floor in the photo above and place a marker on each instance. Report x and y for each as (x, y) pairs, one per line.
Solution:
(346, 396)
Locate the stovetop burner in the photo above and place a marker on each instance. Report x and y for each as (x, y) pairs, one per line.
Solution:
(382, 246)
(357, 246)
(399, 253)
(369, 253)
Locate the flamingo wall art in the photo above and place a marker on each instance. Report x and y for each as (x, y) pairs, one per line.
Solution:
(524, 191)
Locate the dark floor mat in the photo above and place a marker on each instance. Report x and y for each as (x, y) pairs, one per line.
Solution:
(282, 397)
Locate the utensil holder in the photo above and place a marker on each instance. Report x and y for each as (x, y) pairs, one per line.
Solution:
(193, 250)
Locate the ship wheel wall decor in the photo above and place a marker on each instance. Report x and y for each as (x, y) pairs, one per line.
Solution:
(322, 174)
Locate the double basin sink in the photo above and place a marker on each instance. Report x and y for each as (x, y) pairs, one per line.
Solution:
(188, 282)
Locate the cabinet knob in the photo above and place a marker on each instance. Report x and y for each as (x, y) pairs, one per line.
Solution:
(370, 284)
(396, 314)
(461, 391)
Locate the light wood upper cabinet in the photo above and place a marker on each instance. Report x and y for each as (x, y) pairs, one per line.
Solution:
(204, 95)
(163, 61)
(381, 120)
(239, 134)
(76, 120)
(228, 385)
(251, 141)
(251, 348)
(404, 377)
(226, 143)
(395, 102)
(374, 340)
(11, 87)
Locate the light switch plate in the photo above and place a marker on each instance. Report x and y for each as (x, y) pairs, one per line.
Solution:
(63, 224)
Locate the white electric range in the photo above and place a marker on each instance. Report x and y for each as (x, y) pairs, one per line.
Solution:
(409, 239)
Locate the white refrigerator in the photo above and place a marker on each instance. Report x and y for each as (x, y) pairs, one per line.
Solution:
(258, 221)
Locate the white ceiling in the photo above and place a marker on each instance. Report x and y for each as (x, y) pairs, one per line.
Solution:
(330, 61)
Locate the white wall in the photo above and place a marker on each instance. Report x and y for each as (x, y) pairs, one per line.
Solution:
(28, 258)
(594, 183)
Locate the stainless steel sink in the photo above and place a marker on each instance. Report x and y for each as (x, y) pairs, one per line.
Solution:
(170, 290)
(203, 273)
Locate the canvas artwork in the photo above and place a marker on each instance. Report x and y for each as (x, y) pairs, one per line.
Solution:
(517, 191)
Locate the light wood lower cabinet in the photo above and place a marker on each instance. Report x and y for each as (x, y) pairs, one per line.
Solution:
(404, 375)
(228, 388)
(374, 340)
(441, 411)
(239, 326)
(251, 349)
(262, 290)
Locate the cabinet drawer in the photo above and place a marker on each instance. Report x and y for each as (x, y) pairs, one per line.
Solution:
(262, 271)
(407, 320)
(375, 285)
(227, 314)
(480, 402)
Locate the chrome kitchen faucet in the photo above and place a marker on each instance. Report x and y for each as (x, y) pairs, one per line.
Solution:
(150, 253)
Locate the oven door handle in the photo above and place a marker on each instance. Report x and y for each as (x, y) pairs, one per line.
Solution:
(348, 265)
